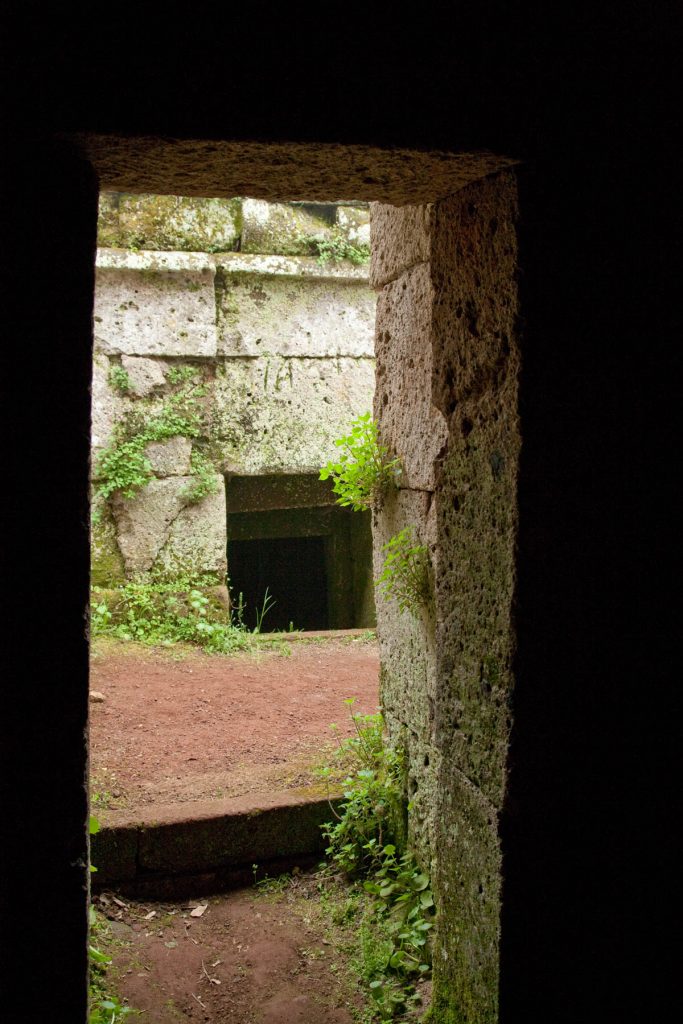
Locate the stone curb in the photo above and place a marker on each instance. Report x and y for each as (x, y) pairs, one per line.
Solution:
(169, 262)
(209, 837)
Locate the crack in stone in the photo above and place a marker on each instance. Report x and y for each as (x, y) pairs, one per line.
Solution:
(167, 532)
(399, 274)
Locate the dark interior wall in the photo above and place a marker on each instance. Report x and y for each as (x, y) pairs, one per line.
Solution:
(584, 824)
(586, 900)
(46, 367)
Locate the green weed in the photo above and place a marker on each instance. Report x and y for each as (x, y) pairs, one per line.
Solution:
(336, 248)
(267, 604)
(123, 466)
(166, 613)
(204, 480)
(364, 843)
(363, 472)
(181, 374)
(105, 1006)
(119, 379)
(405, 574)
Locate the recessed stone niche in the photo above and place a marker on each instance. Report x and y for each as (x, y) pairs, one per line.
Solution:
(286, 535)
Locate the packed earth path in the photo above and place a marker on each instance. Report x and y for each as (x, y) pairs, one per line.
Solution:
(173, 725)
(284, 952)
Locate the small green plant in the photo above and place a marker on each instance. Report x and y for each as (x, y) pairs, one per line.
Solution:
(105, 1007)
(165, 613)
(181, 374)
(237, 612)
(204, 480)
(364, 843)
(336, 248)
(363, 472)
(100, 617)
(372, 796)
(404, 912)
(119, 379)
(272, 886)
(239, 607)
(123, 466)
(93, 829)
(177, 611)
(405, 574)
(267, 604)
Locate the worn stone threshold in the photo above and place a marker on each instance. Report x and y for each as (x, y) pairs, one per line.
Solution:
(321, 634)
(209, 845)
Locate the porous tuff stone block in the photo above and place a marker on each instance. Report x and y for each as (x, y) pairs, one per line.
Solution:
(401, 238)
(283, 415)
(354, 223)
(155, 304)
(197, 538)
(293, 308)
(278, 228)
(143, 521)
(175, 223)
(145, 375)
(106, 404)
(411, 427)
(447, 678)
(170, 458)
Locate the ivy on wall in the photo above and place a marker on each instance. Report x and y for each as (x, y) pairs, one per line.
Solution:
(124, 468)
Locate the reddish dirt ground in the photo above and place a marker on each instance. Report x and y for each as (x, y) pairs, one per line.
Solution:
(178, 726)
(250, 958)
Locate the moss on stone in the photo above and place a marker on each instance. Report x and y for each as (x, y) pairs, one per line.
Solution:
(169, 223)
(279, 228)
(107, 567)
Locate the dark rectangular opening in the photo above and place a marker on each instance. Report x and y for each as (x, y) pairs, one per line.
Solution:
(292, 570)
(279, 512)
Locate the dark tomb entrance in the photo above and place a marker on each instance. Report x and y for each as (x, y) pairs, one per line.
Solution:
(287, 536)
(291, 570)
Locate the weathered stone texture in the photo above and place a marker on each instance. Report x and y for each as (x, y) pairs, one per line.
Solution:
(474, 270)
(408, 677)
(170, 458)
(411, 427)
(176, 223)
(467, 884)
(107, 566)
(283, 415)
(406, 638)
(283, 171)
(146, 376)
(105, 403)
(279, 491)
(155, 304)
(143, 522)
(279, 228)
(283, 349)
(195, 542)
(297, 308)
(447, 356)
(475, 384)
(159, 529)
(354, 222)
(401, 238)
(408, 666)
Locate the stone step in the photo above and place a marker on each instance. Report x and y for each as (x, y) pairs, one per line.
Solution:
(209, 844)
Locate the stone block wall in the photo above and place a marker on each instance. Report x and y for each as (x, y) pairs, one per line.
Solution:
(272, 348)
(446, 404)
